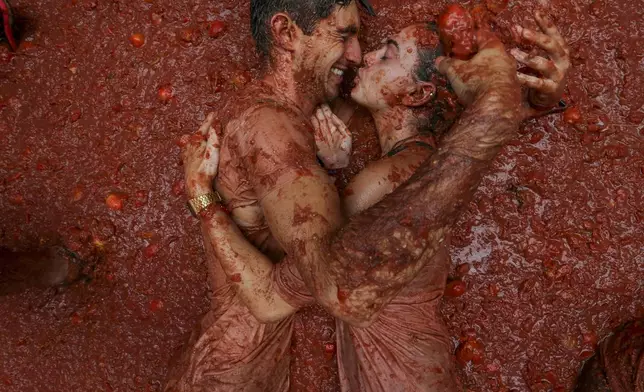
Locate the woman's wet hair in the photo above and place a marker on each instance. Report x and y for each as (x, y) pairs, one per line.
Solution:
(434, 118)
(305, 13)
(427, 56)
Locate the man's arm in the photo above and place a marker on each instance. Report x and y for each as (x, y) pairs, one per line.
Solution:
(245, 267)
(229, 256)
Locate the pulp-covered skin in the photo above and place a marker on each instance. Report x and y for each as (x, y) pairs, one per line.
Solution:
(554, 256)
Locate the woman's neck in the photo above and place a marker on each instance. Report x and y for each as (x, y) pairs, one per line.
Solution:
(394, 125)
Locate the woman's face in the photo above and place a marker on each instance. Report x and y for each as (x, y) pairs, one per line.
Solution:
(388, 74)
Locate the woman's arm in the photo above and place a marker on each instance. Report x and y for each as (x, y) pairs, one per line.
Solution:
(380, 178)
(547, 88)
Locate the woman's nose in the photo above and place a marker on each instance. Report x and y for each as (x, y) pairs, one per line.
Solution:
(369, 58)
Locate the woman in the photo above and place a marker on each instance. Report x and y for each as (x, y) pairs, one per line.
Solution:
(407, 347)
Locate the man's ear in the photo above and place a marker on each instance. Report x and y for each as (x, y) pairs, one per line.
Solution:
(421, 95)
(284, 31)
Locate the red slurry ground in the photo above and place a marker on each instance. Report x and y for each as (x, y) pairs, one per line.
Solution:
(87, 109)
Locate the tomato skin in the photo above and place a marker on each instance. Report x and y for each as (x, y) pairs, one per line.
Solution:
(455, 288)
(456, 30)
(137, 40)
(470, 350)
(151, 250)
(216, 28)
(156, 305)
(165, 93)
(114, 201)
(572, 115)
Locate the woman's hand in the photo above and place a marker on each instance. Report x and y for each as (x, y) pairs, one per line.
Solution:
(547, 89)
(200, 155)
(332, 138)
(490, 71)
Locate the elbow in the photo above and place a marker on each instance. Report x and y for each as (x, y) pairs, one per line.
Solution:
(356, 315)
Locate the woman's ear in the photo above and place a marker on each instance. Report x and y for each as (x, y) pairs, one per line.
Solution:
(421, 95)
(284, 31)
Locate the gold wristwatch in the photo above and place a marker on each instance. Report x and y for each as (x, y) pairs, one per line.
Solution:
(199, 203)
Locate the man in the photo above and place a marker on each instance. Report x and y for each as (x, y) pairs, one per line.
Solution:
(285, 203)
(618, 364)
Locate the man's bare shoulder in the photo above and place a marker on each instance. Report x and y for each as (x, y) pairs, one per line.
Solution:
(267, 126)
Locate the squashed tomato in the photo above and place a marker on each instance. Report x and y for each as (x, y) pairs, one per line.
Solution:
(456, 30)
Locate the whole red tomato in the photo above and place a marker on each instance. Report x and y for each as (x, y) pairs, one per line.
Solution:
(456, 30)
(137, 40)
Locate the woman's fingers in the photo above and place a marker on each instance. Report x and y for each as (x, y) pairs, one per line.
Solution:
(325, 128)
(548, 27)
(206, 124)
(545, 66)
(541, 85)
(543, 41)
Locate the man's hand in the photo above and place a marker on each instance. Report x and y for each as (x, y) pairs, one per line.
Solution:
(200, 155)
(332, 139)
(547, 89)
(489, 70)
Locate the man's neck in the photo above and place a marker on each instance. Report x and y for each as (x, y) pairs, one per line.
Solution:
(394, 125)
(280, 78)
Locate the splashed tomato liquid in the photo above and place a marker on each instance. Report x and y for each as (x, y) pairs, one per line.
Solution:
(552, 240)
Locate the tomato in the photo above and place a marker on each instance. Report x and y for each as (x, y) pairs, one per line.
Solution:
(240, 79)
(17, 200)
(216, 28)
(329, 351)
(572, 115)
(456, 30)
(155, 305)
(462, 269)
(156, 19)
(165, 93)
(178, 187)
(151, 250)
(76, 114)
(455, 288)
(471, 350)
(76, 318)
(137, 40)
(189, 34)
(114, 201)
(141, 198)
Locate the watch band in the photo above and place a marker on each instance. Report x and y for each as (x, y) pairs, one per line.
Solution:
(199, 203)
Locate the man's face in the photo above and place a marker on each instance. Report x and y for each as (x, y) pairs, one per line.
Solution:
(388, 73)
(329, 51)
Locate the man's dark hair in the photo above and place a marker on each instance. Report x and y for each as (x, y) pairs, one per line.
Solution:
(305, 13)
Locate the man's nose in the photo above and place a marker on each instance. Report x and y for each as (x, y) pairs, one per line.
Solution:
(353, 53)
